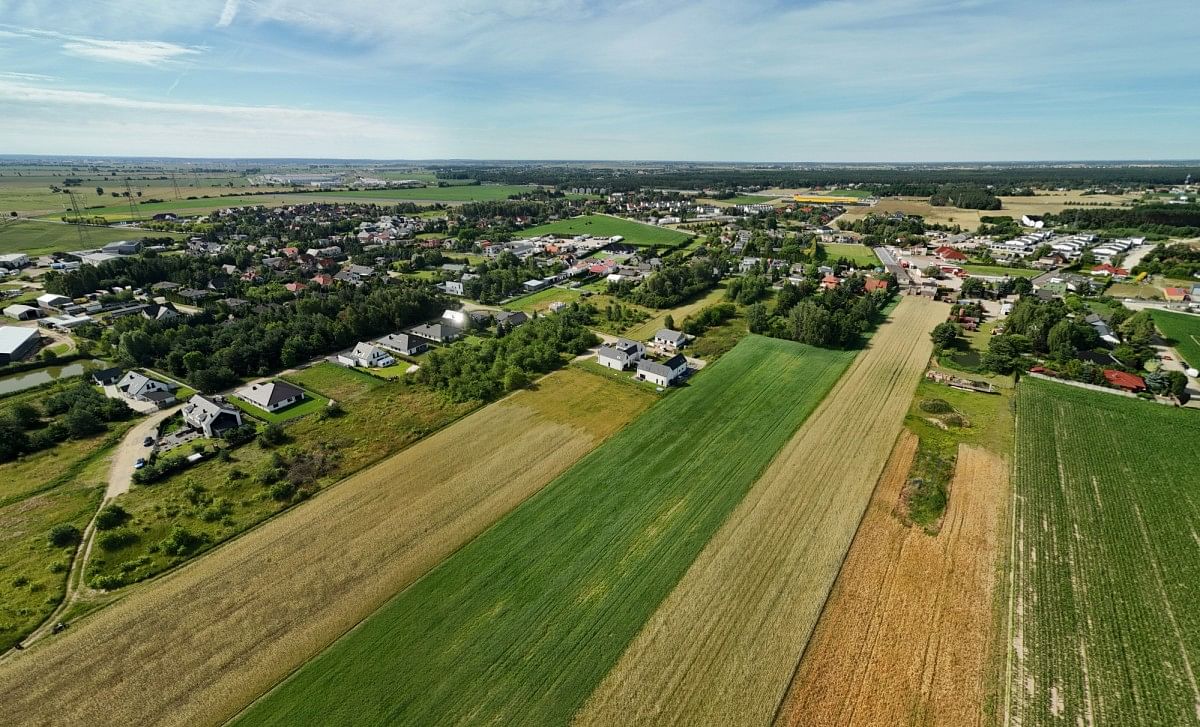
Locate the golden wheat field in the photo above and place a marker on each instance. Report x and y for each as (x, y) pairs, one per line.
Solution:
(199, 644)
(905, 636)
(722, 648)
(1041, 204)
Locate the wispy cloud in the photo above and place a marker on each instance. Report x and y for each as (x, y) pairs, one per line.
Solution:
(141, 52)
(228, 13)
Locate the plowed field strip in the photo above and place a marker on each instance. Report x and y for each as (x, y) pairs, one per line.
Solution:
(724, 645)
(197, 645)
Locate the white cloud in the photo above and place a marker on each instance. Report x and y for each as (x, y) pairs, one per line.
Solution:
(228, 13)
(143, 52)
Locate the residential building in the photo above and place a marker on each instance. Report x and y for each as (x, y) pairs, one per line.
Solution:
(510, 319)
(668, 340)
(138, 386)
(1126, 381)
(620, 355)
(403, 343)
(211, 414)
(366, 355)
(107, 377)
(16, 342)
(439, 332)
(270, 396)
(456, 318)
(665, 373)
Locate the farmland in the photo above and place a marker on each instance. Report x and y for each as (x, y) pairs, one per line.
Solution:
(749, 602)
(635, 233)
(1041, 204)
(1104, 625)
(905, 636)
(45, 237)
(453, 193)
(1001, 270)
(196, 646)
(1183, 332)
(522, 623)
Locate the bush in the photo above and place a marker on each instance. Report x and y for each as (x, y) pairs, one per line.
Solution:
(272, 435)
(282, 491)
(108, 582)
(936, 406)
(113, 516)
(117, 539)
(182, 541)
(64, 534)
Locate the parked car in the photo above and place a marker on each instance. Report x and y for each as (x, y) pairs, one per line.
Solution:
(148, 442)
(139, 464)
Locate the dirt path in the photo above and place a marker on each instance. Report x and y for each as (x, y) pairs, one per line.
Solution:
(120, 473)
(723, 647)
(904, 637)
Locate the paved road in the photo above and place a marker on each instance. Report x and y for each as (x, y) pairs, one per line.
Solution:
(120, 473)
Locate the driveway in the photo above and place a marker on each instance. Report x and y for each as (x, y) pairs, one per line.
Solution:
(120, 474)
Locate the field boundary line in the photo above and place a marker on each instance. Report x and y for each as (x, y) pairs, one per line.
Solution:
(1012, 571)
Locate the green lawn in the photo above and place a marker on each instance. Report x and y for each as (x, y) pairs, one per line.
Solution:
(521, 624)
(1107, 511)
(542, 299)
(36, 238)
(310, 404)
(1183, 333)
(999, 270)
(635, 233)
(861, 255)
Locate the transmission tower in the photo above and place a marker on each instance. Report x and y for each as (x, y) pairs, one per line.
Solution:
(133, 210)
(78, 209)
(175, 184)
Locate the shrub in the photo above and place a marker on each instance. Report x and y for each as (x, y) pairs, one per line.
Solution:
(113, 516)
(936, 406)
(117, 539)
(64, 534)
(271, 435)
(182, 541)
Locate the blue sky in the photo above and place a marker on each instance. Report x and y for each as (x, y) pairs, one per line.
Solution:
(869, 80)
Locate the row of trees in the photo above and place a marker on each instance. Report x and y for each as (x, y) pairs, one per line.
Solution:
(1174, 261)
(485, 371)
(965, 196)
(1177, 220)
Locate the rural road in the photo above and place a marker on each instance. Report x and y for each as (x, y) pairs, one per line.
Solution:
(120, 473)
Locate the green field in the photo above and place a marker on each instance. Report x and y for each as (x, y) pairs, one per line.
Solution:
(635, 233)
(36, 238)
(861, 255)
(999, 270)
(455, 193)
(1107, 510)
(522, 623)
(1183, 331)
(542, 299)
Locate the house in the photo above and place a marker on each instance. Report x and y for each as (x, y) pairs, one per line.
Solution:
(21, 312)
(1122, 380)
(533, 285)
(323, 279)
(438, 332)
(507, 319)
(1175, 295)
(453, 287)
(140, 387)
(403, 343)
(211, 415)
(620, 355)
(155, 312)
(366, 355)
(873, 284)
(1102, 329)
(294, 287)
(270, 396)
(50, 301)
(1109, 271)
(107, 377)
(193, 296)
(1034, 221)
(829, 282)
(668, 340)
(949, 254)
(665, 373)
(165, 286)
(16, 343)
(456, 318)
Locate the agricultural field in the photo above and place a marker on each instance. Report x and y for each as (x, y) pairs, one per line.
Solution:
(26, 189)
(861, 255)
(198, 645)
(1041, 204)
(1001, 270)
(36, 238)
(635, 233)
(909, 634)
(748, 603)
(742, 199)
(453, 193)
(1104, 624)
(524, 622)
(1183, 333)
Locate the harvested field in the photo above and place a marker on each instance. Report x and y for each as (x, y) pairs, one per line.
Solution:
(906, 633)
(197, 645)
(1105, 624)
(520, 625)
(723, 647)
(1041, 204)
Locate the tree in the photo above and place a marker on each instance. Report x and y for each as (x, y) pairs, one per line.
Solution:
(757, 318)
(932, 271)
(135, 347)
(1177, 385)
(1004, 352)
(64, 534)
(1022, 286)
(1060, 340)
(515, 379)
(945, 335)
(669, 322)
(82, 421)
(973, 288)
(113, 516)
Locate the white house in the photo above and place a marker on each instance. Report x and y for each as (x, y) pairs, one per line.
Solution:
(668, 340)
(143, 388)
(270, 396)
(210, 414)
(366, 355)
(620, 355)
(662, 374)
(456, 319)
(453, 287)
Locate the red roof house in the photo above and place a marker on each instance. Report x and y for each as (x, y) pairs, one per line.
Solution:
(324, 279)
(294, 287)
(1110, 271)
(873, 284)
(949, 253)
(829, 282)
(1122, 380)
(1175, 295)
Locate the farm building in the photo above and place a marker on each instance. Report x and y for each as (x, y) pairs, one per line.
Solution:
(51, 301)
(14, 260)
(620, 355)
(403, 343)
(270, 396)
(16, 342)
(662, 374)
(949, 254)
(20, 312)
(211, 415)
(1122, 380)
(366, 355)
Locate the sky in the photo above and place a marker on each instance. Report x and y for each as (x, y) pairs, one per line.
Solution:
(752, 80)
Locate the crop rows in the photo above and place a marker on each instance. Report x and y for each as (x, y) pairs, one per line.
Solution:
(1106, 623)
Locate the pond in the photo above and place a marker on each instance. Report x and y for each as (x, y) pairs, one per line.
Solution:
(29, 379)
